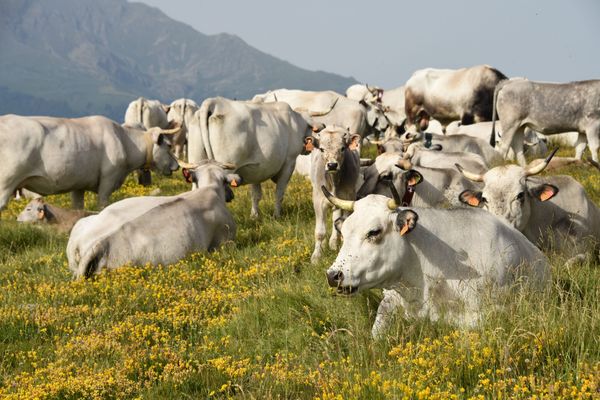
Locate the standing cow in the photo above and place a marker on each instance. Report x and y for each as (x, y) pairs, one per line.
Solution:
(57, 155)
(147, 113)
(335, 164)
(261, 139)
(548, 108)
(447, 95)
(157, 230)
(181, 111)
(358, 117)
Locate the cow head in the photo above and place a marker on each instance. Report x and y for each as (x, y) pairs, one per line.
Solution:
(161, 157)
(390, 167)
(210, 173)
(374, 248)
(35, 211)
(508, 192)
(420, 122)
(333, 142)
(376, 118)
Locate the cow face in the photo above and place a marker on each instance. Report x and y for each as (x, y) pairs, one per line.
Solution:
(509, 194)
(163, 159)
(376, 117)
(210, 173)
(333, 142)
(389, 167)
(374, 247)
(35, 211)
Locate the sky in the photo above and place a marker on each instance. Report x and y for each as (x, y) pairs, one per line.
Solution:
(382, 42)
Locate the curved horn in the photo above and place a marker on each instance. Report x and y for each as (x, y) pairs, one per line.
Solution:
(228, 166)
(321, 113)
(376, 141)
(395, 201)
(347, 205)
(469, 175)
(540, 167)
(370, 89)
(184, 164)
(172, 131)
(404, 164)
(275, 96)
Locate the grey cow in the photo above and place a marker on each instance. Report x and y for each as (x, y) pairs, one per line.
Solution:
(335, 164)
(548, 108)
(156, 230)
(39, 211)
(56, 155)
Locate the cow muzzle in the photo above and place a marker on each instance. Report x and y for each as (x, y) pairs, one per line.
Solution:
(332, 166)
(335, 278)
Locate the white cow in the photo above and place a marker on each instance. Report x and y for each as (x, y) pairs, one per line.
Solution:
(181, 111)
(157, 230)
(147, 113)
(57, 155)
(332, 108)
(547, 210)
(38, 211)
(433, 263)
(262, 139)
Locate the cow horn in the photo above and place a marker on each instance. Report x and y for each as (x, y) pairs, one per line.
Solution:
(377, 142)
(172, 131)
(469, 175)
(184, 164)
(395, 201)
(404, 164)
(540, 167)
(321, 113)
(347, 205)
(592, 162)
(228, 166)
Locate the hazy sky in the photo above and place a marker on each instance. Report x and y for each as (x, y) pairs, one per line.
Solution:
(383, 42)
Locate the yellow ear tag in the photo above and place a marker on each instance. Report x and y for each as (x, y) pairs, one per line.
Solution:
(234, 183)
(404, 229)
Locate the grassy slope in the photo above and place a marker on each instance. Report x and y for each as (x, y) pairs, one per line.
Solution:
(256, 320)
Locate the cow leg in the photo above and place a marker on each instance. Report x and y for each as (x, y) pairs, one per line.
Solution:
(593, 140)
(281, 181)
(77, 197)
(333, 240)
(580, 145)
(517, 145)
(320, 207)
(387, 308)
(256, 195)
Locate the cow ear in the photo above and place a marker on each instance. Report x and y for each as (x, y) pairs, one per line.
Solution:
(436, 147)
(406, 220)
(310, 142)
(234, 180)
(317, 127)
(187, 174)
(354, 143)
(413, 177)
(544, 191)
(471, 198)
(41, 212)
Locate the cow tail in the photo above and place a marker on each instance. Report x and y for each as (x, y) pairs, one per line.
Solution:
(494, 114)
(205, 113)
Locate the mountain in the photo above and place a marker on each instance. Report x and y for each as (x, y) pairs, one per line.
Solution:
(81, 57)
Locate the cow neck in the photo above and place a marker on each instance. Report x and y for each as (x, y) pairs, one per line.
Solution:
(408, 195)
(149, 143)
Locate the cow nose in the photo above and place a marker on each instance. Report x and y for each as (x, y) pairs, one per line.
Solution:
(332, 166)
(334, 278)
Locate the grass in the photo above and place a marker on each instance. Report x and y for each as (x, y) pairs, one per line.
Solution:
(255, 320)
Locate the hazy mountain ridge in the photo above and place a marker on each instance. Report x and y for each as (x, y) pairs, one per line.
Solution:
(79, 57)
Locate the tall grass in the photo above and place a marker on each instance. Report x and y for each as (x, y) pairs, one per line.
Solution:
(256, 320)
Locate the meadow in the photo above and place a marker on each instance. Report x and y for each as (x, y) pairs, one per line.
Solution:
(256, 320)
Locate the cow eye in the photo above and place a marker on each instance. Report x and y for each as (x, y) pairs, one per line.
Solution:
(373, 233)
(321, 150)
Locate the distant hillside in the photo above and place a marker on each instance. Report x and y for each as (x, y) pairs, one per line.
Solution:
(79, 57)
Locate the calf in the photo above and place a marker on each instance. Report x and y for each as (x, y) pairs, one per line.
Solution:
(38, 211)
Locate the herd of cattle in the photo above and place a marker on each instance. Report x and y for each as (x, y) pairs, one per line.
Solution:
(436, 217)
